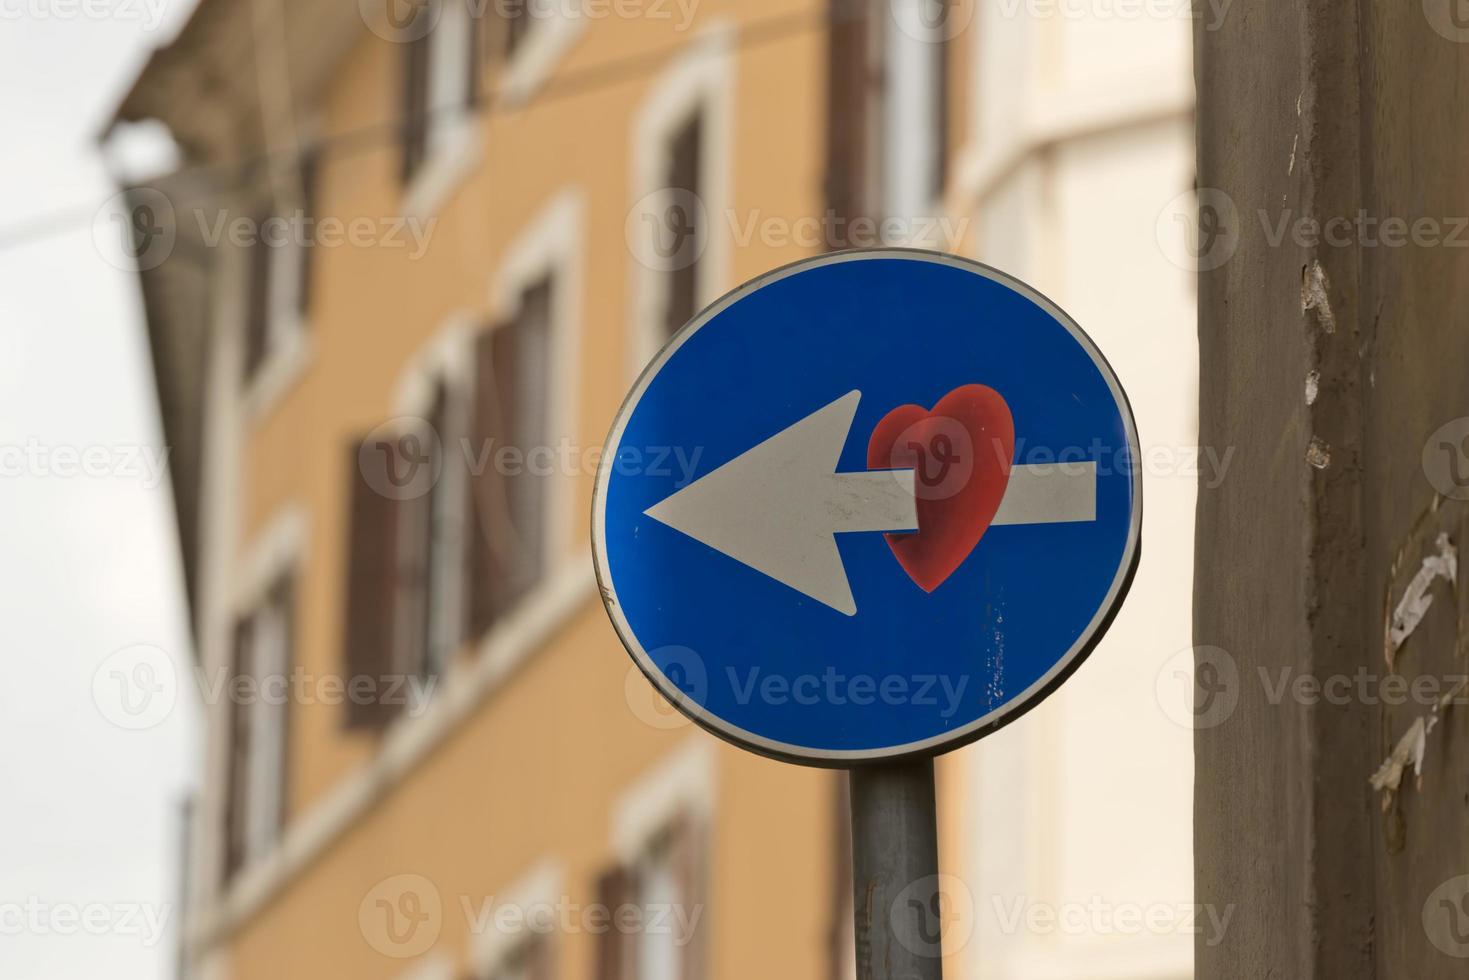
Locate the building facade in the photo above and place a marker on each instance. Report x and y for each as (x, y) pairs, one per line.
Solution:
(415, 255)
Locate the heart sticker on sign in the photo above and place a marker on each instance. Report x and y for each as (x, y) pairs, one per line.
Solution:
(960, 452)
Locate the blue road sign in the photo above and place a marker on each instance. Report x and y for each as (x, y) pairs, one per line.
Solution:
(873, 504)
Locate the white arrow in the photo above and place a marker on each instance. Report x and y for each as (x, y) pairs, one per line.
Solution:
(777, 507)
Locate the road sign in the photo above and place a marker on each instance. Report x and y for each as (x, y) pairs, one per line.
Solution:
(870, 505)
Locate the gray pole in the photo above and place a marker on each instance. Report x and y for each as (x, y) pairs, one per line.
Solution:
(895, 860)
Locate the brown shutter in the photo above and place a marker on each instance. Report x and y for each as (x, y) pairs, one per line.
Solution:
(839, 936)
(489, 508)
(257, 301)
(473, 89)
(848, 117)
(517, 22)
(283, 597)
(508, 507)
(417, 544)
(538, 958)
(686, 856)
(310, 172)
(372, 569)
(415, 100)
(683, 175)
(238, 771)
(529, 428)
(614, 948)
(489, 32)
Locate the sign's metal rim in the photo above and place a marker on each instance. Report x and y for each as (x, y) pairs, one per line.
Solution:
(994, 720)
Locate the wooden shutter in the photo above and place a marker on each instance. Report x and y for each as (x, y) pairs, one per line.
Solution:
(684, 160)
(283, 598)
(849, 122)
(474, 60)
(309, 173)
(686, 856)
(415, 108)
(614, 948)
(538, 958)
(840, 939)
(488, 510)
(237, 777)
(526, 490)
(257, 301)
(418, 548)
(507, 516)
(372, 572)
(517, 23)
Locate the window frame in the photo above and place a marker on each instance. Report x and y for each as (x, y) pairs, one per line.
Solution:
(551, 247)
(445, 124)
(700, 80)
(677, 794)
(444, 364)
(493, 952)
(277, 561)
(288, 270)
(552, 29)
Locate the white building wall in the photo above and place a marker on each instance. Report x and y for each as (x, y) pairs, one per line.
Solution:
(1076, 822)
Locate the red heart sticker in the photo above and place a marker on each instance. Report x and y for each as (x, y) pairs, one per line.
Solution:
(960, 453)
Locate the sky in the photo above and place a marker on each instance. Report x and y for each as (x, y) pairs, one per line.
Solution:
(90, 587)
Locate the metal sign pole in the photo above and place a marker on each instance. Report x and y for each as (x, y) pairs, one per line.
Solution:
(895, 873)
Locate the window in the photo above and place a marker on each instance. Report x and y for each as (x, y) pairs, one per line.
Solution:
(677, 228)
(448, 517)
(518, 22)
(665, 883)
(526, 39)
(887, 134)
(508, 489)
(278, 273)
(525, 948)
(261, 663)
(432, 547)
(405, 555)
(376, 469)
(529, 960)
(440, 81)
(683, 217)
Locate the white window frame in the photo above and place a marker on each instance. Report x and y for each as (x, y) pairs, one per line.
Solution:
(453, 133)
(555, 26)
(551, 246)
(700, 79)
(492, 950)
(287, 333)
(279, 551)
(683, 785)
(447, 359)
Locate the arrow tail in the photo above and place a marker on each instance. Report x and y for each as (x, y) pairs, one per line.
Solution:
(881, 500)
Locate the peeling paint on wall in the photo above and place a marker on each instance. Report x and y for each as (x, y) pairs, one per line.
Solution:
(1314, 295)
(1410, 749)
(1417, 599)
(1318, 454)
